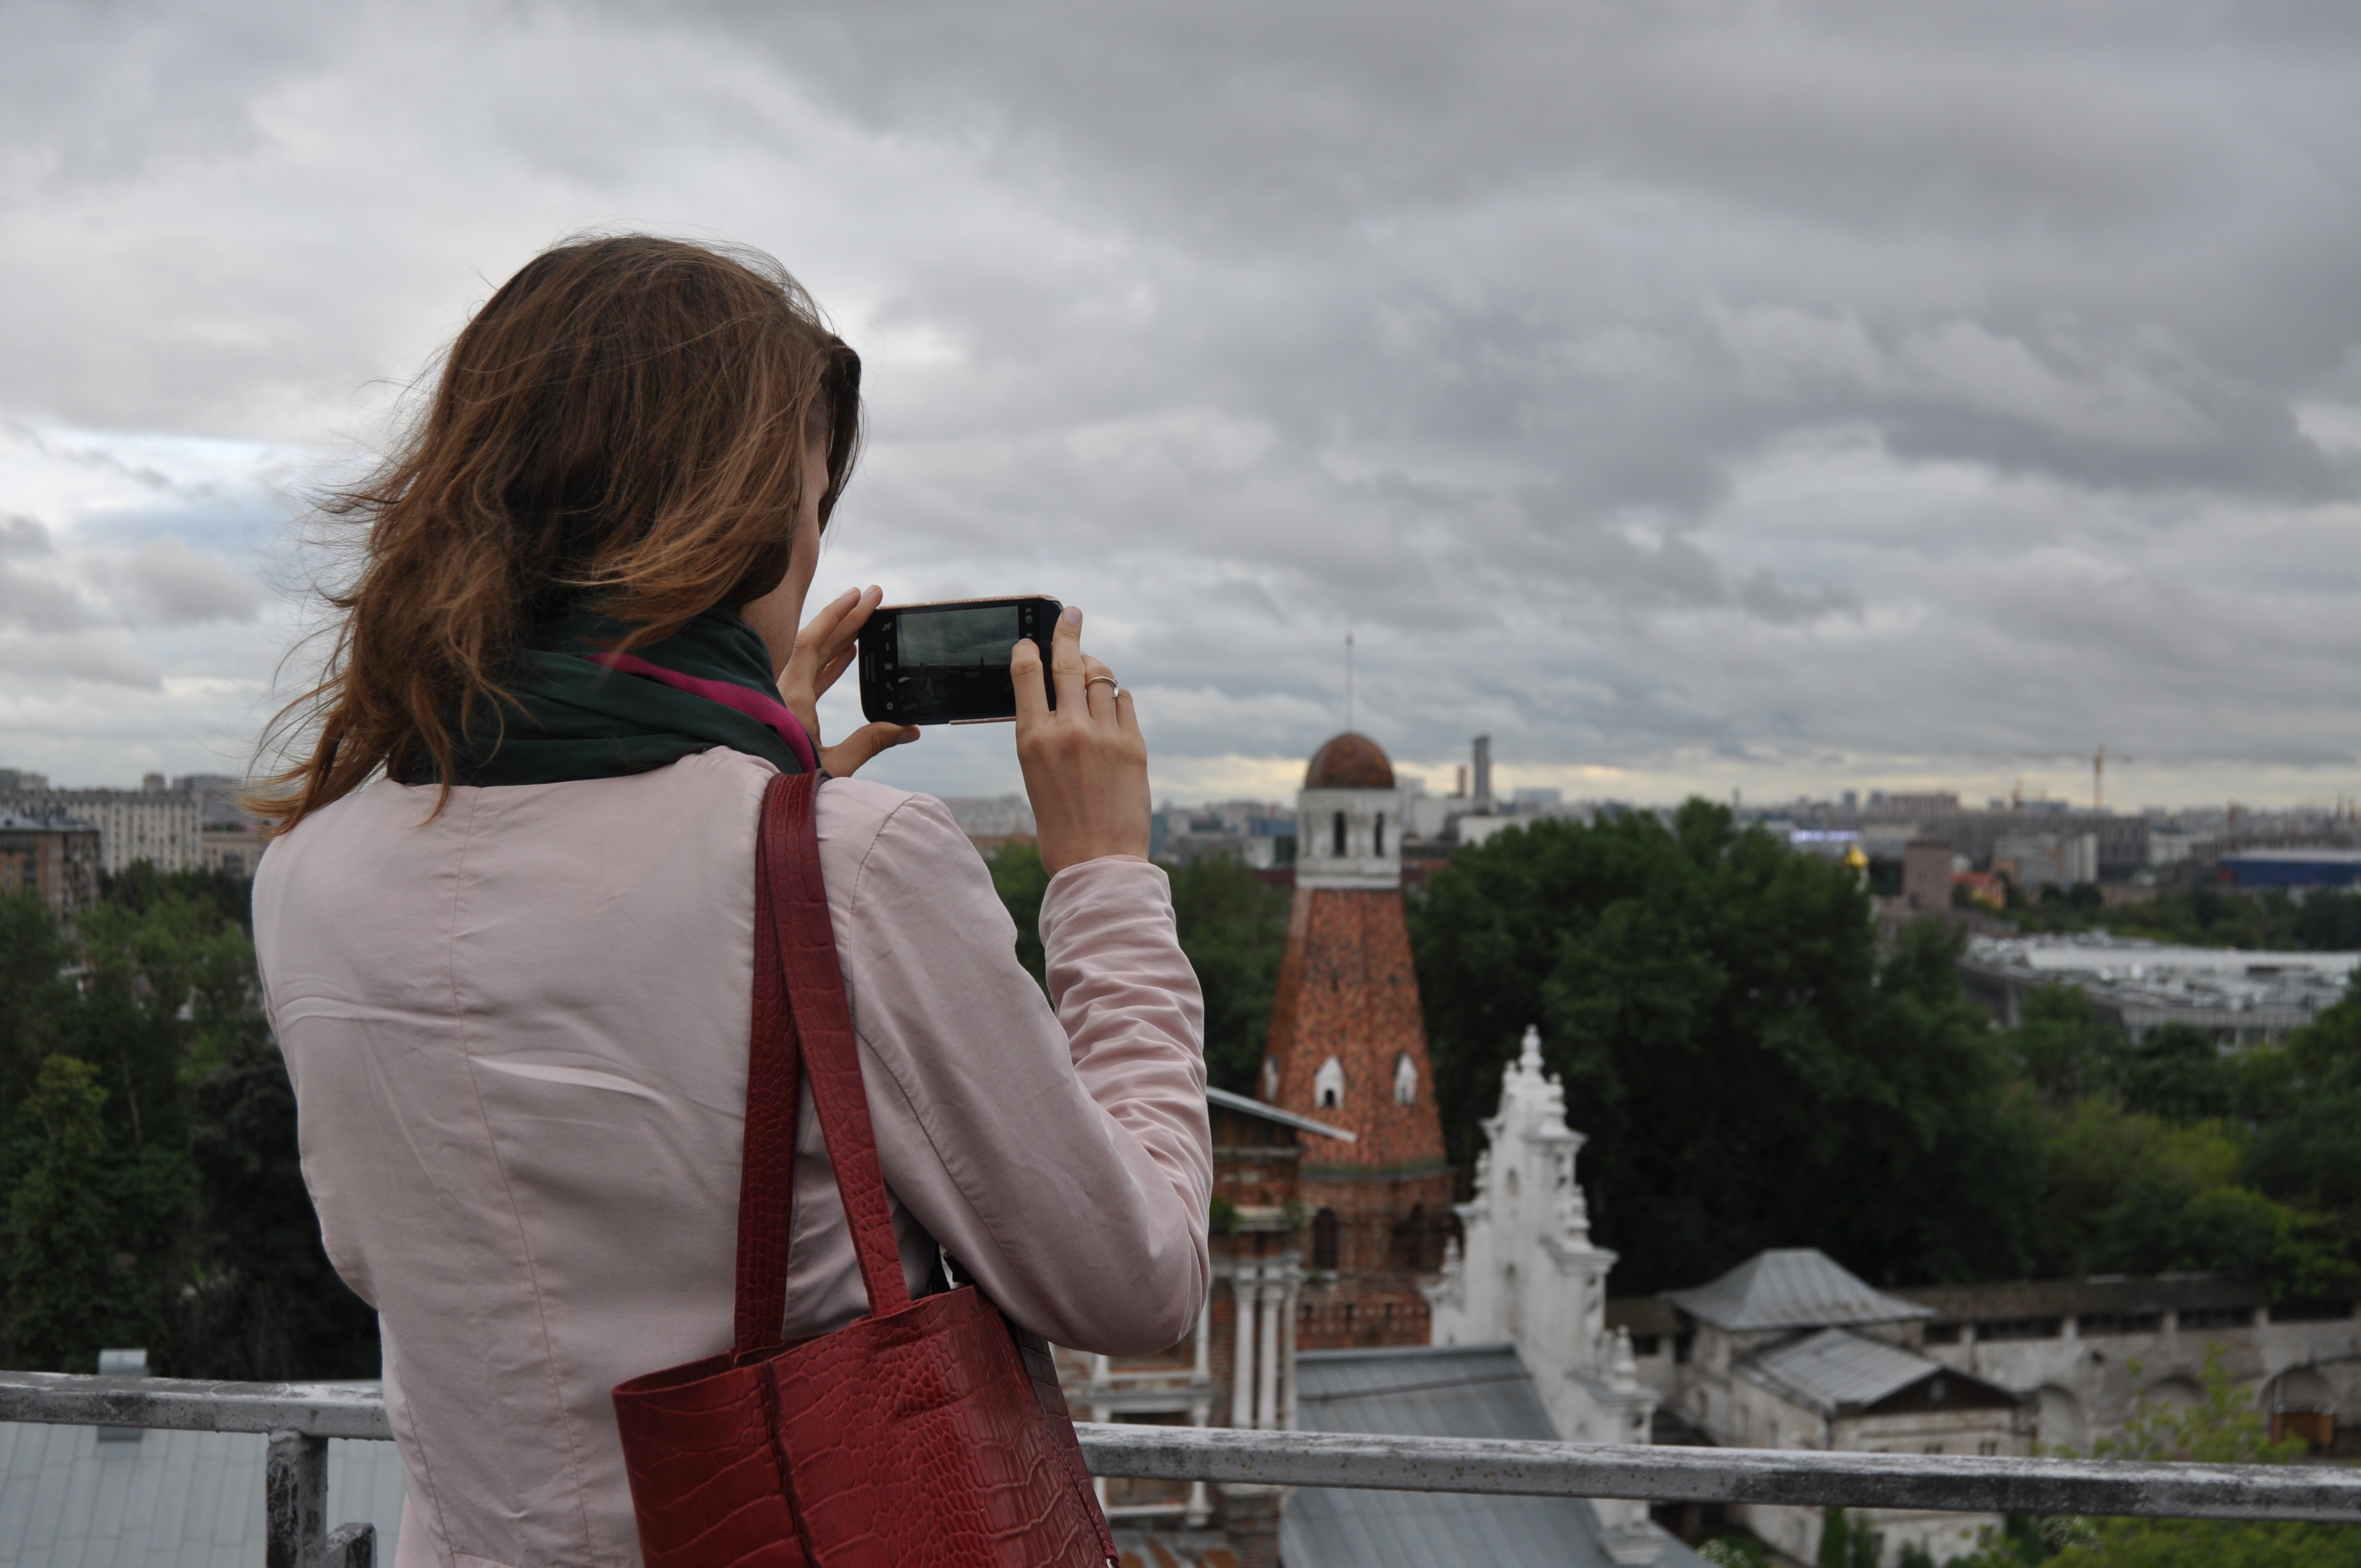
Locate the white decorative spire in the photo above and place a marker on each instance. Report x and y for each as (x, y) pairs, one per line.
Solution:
(1574, 1217)
(1622, 1368)
(1529, 1060)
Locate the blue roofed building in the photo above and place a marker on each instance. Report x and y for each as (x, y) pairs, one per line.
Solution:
(2292, 868)
(91, 1498)
(1447, 1391)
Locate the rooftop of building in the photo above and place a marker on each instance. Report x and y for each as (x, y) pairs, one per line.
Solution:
(1835, 1372)
(2111, 1294)
(1792, 1288)
(1435, 1391)
(2152, 982)
(2102, 955)
(2325, 856)
(1349, 761)
(1240, 1103)
(2020, 1301)
(31, 822)
(166, 1499)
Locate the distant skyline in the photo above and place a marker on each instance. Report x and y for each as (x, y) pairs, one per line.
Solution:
(1784, 397)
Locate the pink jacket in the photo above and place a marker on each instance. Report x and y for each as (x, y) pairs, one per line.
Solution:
(518, 1036)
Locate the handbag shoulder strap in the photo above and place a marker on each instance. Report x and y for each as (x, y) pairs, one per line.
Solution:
(820, 1018)
(766, 1172)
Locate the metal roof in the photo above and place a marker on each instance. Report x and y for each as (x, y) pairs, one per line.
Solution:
(1435, 1391)
(166, 1499)
(1273, 1114)
(2069, 1298)
(1834, 1368)
(12, 821)
(1792, 1288)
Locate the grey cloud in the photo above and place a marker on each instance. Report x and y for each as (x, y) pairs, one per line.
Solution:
(24, 536)
(1761, 595)
(1753, 382)
(89, 657)
(34, 601)
(165, 583)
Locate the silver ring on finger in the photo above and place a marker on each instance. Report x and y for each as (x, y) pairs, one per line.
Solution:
(1096, 679)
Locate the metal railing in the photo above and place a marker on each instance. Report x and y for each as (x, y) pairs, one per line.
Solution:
(300, 1418)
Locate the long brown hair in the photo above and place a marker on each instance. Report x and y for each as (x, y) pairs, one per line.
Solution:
(622, 426)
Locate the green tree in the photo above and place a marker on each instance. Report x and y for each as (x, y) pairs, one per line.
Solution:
(2303, 1100)
(140, 887)
(2132, 1193)
(1844, 1544)
(1020, 879)
(263, 1300)
(34, 993)
(1750, 1071)
(1233, 925)
(154, 1195)
(2176, 1072)
(2223, 1427)
(2328, 923)
(2062, 1049)
(2208, 914)
(63, 1295)
(139, 1001)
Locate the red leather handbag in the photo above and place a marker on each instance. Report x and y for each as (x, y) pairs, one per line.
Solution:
(928, 1433)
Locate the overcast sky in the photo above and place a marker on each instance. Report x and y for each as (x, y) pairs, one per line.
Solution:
(1694, 396)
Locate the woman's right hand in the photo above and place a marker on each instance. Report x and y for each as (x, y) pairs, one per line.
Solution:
(1085, 764)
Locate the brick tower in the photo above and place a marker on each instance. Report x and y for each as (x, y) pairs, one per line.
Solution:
(1348, 1048)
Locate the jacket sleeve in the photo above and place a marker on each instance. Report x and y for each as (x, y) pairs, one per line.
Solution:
(1061, 1158)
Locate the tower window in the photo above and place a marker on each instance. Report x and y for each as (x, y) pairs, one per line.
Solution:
(1328, 1085)
(1410, 1239)
(1381, 833)
(1339, 826)
(1323, 1240)
(1405, 1081)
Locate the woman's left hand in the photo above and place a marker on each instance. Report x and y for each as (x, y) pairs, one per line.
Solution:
(825, 650)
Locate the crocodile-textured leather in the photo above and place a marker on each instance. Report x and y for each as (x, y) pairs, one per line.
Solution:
(929, 1432)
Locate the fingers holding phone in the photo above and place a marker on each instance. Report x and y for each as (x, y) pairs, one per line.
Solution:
(824, 650)
(1085, 763)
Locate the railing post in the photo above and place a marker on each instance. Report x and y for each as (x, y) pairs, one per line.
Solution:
(350, 1546)
(296, 1500)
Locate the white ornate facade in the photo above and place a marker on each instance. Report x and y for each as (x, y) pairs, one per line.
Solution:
(1530, 1275)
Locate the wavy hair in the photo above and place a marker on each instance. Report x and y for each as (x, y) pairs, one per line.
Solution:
(622, 427)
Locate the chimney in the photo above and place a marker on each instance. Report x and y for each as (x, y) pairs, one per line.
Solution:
(1483, 773)
(1462, 790)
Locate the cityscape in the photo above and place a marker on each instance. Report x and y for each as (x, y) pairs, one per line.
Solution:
(1745, 624)
(1374, 1229)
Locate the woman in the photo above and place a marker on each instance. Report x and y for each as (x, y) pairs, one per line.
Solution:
(506, 926)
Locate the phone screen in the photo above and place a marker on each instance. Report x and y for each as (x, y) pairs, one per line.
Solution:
(940, 639)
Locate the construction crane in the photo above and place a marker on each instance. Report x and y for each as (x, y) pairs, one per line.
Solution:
(2099, 760)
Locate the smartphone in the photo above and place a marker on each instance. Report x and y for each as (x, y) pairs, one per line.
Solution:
(947, 663)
